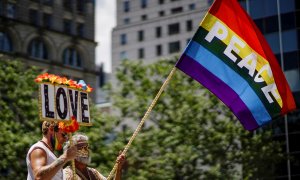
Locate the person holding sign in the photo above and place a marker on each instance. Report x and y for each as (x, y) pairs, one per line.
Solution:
(41, 161)
(83, 172)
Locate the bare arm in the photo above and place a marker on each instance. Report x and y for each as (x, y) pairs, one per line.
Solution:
(120, 162)
(39, 165)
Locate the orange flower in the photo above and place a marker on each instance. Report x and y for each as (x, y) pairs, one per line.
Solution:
(58, 80)
(69, 126)
(64, 80)
(54, 79)
(89, 89)
(41, 77)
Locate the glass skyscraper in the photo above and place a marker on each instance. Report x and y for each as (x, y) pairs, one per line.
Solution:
(279, 21)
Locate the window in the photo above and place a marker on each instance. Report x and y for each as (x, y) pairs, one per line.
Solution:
(189, 25)
(33, 17)
(47, 20)
(144, 17)
(176, 10)
(141, 53)
(287, 6)
(141, 35)
(158, 50)
(158, 32)
(126, 6)
(260, 24)
(192, 6)
(289, 41)
(80, 29)
(273, 41)
(291, 60)
(126, 20)
(174, 47)
(123, 39)
(5, 42)
(67, 5)
(161, 1)
(80, 6)
(144, 3)
(271, 24)
(37, 49)
(72, 57)
(67, 26)
(48, 2)
(260, 9)
(174, 28)
(123, 55)
(11, 10)
(161, 13)
(292, 76)
(288, 21)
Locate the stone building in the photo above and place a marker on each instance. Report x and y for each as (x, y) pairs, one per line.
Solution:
(56, 35)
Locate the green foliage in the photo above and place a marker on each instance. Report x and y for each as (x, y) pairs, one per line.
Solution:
(21, 127)
(19, 117)
(190, 134)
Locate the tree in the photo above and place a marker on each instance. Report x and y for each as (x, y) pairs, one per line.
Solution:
(190, 134)
(21, 126)
(19, 117)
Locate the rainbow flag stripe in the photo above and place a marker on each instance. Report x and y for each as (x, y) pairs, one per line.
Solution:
(230, 57)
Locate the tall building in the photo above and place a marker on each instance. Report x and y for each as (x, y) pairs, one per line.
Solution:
(279, 21)
(152, 29)
(56, 35)
(148, 30)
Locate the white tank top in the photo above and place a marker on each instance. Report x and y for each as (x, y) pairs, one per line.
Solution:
(50, 158)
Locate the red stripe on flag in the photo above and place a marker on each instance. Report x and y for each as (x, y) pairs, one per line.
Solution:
(234, 16)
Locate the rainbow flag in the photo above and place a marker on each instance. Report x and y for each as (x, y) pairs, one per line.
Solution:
(230, 57)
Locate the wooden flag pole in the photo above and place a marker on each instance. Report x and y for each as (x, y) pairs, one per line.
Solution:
(72, 161)
(137, 130)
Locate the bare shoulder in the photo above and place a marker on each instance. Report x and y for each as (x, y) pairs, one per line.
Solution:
(38, 158)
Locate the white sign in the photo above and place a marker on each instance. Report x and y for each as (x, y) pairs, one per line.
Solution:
(60, 103)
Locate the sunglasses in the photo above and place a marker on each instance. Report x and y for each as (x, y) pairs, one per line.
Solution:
(82, 146)
(64, 135)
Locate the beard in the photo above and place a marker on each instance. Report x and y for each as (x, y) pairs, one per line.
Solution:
(84, 160)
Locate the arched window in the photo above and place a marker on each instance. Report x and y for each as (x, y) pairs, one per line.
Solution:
(38, 49)
(5, 42)
(72, 57)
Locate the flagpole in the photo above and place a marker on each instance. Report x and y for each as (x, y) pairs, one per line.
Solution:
(139, 127)
(285, 116)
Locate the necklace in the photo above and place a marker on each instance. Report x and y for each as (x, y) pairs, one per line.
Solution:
(47, 146)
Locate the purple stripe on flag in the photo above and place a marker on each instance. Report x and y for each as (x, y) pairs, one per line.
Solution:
(219, 88)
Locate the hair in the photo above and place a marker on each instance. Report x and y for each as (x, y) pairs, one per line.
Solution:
(77, 138)
(47, 124)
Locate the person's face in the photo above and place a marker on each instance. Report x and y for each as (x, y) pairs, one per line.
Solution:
(83, 153)
(62, 136)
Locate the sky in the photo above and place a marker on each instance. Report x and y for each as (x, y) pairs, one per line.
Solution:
(105, 20)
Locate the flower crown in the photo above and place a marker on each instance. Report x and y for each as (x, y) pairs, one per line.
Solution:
(54, 79)
(70, 126)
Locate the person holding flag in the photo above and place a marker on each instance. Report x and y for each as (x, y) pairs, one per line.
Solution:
(82, 160)
(41, 161)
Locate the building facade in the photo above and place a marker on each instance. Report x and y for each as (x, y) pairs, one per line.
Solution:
(148, 30)
(56, 35)
(279, 21)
